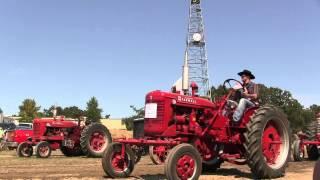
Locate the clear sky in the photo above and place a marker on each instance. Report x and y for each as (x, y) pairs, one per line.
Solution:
(63, 52)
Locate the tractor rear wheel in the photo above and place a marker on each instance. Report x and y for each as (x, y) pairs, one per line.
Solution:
(313, 152)
(114, 164)
(298, 151)
(43, 149)
(183, 162)
(70, 152)
(267, 142)
(24, 150)
(94, 139)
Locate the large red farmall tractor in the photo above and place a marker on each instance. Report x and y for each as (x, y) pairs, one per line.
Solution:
(192, 134)
(308, 140)
(72, 138)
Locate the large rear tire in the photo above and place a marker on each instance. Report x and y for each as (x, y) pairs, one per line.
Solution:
(24, 150)
(298, 152)
(268, 143)
(183, 162)
(94, 139)
(114, 164)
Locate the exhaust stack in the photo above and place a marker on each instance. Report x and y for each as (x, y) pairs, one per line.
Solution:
(185, 74)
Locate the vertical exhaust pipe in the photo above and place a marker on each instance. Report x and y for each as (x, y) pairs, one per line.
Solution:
(185, 74)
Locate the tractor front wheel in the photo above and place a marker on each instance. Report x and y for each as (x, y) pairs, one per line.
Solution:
(158, 154)
(43, 149)
(267, 142)
(24, 150)
(298, 151)
(94, 139)
(115, 164)
(183, 162)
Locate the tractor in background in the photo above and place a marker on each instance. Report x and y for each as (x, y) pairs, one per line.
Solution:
(192, 134)
(72, 137)
(309, 139)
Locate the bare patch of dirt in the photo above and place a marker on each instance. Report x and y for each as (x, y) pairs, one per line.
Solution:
(60, 167)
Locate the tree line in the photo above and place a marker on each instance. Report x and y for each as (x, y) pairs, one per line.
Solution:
(29, 110)
(298, 115)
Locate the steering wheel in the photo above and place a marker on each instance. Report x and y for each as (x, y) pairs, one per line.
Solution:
(228, 82)
(230, 86)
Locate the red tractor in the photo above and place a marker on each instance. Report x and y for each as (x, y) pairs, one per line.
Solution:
(192, 134)
(309, 139)
(72, 138)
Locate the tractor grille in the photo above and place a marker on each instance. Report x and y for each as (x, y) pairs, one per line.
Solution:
(37, 129)
(155, 125)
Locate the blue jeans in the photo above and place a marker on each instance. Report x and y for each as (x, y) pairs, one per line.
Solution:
(243, 105)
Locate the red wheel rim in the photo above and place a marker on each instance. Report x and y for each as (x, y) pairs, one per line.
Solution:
(119, 163)
(43, 151)
(161, 153)
(273, 144)
(98, 141)
(186, 167)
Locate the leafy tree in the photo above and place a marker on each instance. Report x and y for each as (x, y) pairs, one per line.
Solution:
(107, 116)
(93, 112)
(1, 111)
(49, 112)
(73, 112)
(28, 110)
(315, 108)
(138, 113)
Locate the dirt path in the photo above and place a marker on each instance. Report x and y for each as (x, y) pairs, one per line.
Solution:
(60, 167)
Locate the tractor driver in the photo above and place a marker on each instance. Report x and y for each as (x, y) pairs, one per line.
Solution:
(249, 94)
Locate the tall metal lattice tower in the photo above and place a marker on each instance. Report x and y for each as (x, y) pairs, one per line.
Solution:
(196, 49)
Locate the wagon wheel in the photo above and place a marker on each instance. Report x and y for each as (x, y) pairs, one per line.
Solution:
(268, 143)
(158, 154)
(114, 164)
(24, 150)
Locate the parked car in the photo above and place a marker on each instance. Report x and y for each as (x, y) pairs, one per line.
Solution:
(13, 137)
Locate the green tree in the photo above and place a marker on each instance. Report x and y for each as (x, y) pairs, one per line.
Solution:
(28, 110)
(49, 112)
(73, 112)
(1, 111)
(93, 112)
(128, 121)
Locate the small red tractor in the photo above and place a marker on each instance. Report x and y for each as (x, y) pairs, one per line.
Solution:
(72, 138)
(309, 140)
(191, 134)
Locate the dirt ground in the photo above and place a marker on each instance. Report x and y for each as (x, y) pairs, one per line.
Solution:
(60, 167)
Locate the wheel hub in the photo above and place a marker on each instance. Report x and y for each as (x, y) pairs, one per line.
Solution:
(118, 163)
(97, 141)
(271, 143)
(186, 167)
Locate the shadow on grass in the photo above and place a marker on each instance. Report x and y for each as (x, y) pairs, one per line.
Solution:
(236, 173)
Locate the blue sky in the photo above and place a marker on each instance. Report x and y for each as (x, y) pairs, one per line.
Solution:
(64, 52)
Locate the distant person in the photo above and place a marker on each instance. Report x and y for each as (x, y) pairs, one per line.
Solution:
(249, 94)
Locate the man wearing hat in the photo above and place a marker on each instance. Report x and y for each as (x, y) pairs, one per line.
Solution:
(249, 94)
